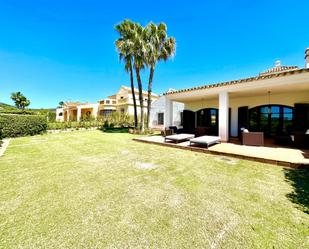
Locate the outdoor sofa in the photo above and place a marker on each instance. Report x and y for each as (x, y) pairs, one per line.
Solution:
(167, 132)
(171, 130)
(252, 138)
(205, 140)
(300, 139)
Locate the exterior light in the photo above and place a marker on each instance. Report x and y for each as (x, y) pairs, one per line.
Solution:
(202, 111)
(269, 107)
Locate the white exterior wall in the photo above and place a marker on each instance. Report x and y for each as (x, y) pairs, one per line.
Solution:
(158, 106)
(288, 99)
(58, 117)
(130, 110)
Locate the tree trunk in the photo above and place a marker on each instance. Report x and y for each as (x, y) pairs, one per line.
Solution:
(134, 99)
(140, 93)
(149, 94)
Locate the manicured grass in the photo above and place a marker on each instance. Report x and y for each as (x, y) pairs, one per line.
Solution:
(90, 189)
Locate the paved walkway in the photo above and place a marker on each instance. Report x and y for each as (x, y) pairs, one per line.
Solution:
(275, 155)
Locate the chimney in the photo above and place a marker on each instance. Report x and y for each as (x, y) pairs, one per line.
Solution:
(278, 63)
(307, 58)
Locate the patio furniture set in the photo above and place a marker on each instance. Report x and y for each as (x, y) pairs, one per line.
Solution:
(169, 135)
(203, 140)
(297, 139)
(172, 134)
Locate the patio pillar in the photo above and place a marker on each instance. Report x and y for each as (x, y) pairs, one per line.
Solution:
(168, 113)
(95, 111)
(68, 114)
(224, 116)
(79, 113)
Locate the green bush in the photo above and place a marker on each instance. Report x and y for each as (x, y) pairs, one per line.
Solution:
(17, 111)
(51, 116)
(73, 125)
(0, 137)
(115, 119)
(22, 125)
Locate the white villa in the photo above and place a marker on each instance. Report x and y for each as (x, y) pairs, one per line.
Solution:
(275, 102)
(158, 109)
(122, 101)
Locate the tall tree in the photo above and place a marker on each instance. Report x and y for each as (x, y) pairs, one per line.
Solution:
(159, 47)
(139, 53)
(61, 104)
(125, 47)
(20, 100)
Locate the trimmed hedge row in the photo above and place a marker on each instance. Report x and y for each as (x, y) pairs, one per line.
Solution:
(73, 125)
(17, 111)
(22, 125)
(115, 119)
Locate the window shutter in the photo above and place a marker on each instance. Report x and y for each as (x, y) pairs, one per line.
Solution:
(243, 118)
(301, 117)
(189, 121)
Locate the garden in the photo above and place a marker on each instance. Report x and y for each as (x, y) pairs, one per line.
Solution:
(21, 124)
(94, 189)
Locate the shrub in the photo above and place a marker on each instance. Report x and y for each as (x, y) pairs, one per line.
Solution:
(116, 119)
(73, 125)
(22, 125)
(51, 116)
(146, 132)
(0, 137)
(17, 111)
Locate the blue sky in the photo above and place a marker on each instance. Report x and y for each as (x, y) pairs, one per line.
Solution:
(64, 50)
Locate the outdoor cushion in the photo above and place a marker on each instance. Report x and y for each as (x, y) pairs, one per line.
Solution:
(205, 140)
(179, 137)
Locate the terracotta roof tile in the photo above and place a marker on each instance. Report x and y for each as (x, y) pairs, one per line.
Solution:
(277, 69)
(240, 81)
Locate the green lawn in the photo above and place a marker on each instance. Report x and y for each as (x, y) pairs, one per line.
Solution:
(90, 189)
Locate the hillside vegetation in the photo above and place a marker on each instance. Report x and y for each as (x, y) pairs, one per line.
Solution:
(9, 109)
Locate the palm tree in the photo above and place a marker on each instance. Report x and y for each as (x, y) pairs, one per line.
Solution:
(20, 100)
(159, 47)
(124, 47)
(61, 104)
(137, 35)
(139, 59)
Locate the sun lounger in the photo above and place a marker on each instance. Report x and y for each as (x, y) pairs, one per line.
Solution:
(179, 137)
(205, 140)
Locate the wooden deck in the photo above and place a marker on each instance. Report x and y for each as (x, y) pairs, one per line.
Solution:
(270, 153)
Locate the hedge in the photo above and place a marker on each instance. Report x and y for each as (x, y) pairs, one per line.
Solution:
(73, 125)
(22, 125)
(115, 119)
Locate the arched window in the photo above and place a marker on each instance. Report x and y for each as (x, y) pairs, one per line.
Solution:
(271, 119)
(208, 118)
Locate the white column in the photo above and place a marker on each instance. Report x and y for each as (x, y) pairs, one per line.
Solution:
(68, 114)
(168, 113)
(95, 111)
(79, 113)
(224, 116)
